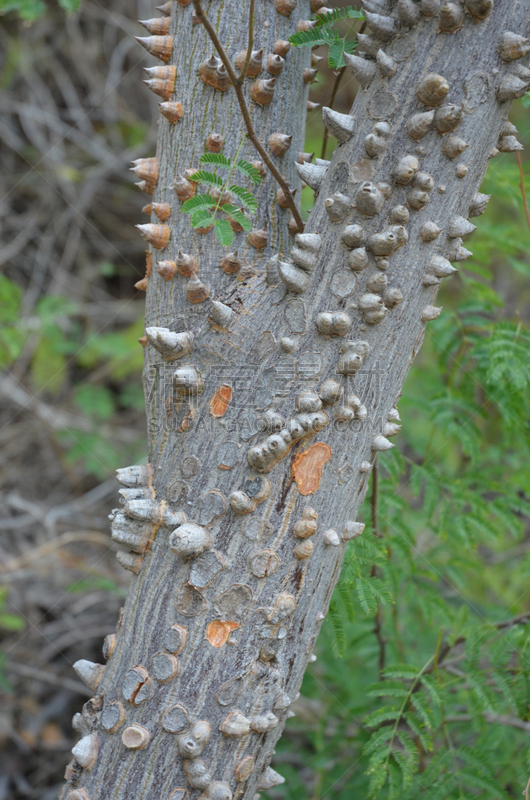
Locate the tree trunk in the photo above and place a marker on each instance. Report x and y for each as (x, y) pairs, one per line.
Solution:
(265, 442)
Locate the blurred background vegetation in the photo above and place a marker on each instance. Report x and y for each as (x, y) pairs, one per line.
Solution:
(421, 687)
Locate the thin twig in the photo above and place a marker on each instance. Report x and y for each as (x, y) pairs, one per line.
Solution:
(444, 651)
(526, 789)
(521, 184)
(374, 499)
(497, 719)
(378, 621)
(246, 114)
(250, 44)
(48, 676)
(334, 91)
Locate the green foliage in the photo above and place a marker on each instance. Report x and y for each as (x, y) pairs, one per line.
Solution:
(8, 620)
(325, 34)
(204, 208)
(437, 598)
(95, 583)
(31, 10)
(11, 334)
(60, 350)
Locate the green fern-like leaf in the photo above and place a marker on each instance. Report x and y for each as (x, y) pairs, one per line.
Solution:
(247, 198)
(336, 51)
(202, 218)
(331, 17)
(324, 34)
(237, 215)
(345, 594)
(312, 38)
(200, 201)
(224, 232)
(419, 704)
(380, 592)
(203, 176)
(365, 595)
(504, 356)
(387, 689)
(335, 629)
(434, 693)
(249, 170)
(420, 732)
(377, 742)
(215, 158)
(383, 714)
(401, 671)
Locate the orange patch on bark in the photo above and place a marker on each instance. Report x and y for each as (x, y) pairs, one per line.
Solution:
(218, 631)
(307, 467)
(220, 400)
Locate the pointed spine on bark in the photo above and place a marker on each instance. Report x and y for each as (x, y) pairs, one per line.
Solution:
(381, 443)
(196, 290)
(258, 238)
(294, 278)
(171, 345)
(215, 143)
(89, 673)
(282, 47)
(262, 91)
(451, 17)
(311, 174)
(275, 63)
(441, 267)
(387, 65)
(146, 169)
(86, 750)
(158, 25)
(365, 44)
(479, 9)
(429, 313)
(162, 210)
(338, 206)
(432, 89)
(160, 47)
(430, 8)
(341, 126)
(382, 27)
(221, 314)
(157, 235)
(454, 145)
(184, 189)
(448, 117)
(279, 143)
(376, 143)
(171, 111)
(408, 12)
(511, 87)
(309, 241)
(362, 70)
(479, 204)
(460, 226)
(377, 6)
(512, 46)
(255, 65)
(418, 125)
(285, 7)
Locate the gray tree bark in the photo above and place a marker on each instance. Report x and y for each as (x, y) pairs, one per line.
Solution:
(265, 422)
